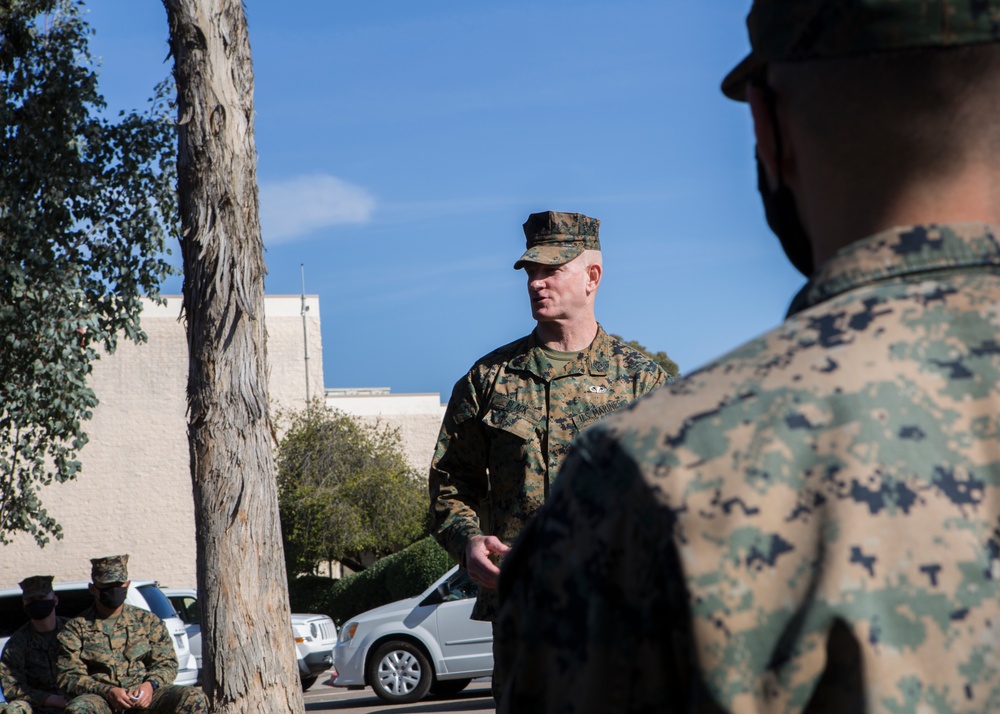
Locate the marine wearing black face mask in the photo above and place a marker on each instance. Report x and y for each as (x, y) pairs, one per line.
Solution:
(28, 663)
(115, 656)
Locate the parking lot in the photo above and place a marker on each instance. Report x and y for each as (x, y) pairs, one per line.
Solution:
(476, 699)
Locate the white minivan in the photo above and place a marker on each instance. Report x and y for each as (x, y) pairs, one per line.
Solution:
(74, 598)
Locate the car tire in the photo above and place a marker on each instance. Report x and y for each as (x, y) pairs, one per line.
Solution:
(307, 682)
(448, 687)
(399, 673)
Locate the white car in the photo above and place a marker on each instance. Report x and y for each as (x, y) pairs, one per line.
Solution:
(74, 598)
(426, 643)
(315, 635)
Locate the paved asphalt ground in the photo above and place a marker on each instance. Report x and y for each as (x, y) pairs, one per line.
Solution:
(475, 699)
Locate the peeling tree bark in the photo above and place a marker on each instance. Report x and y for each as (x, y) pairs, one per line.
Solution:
(249, 657)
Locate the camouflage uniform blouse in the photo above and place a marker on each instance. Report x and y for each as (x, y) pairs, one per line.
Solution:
(811, 523)
(507, 428)
(28, 664)
(138, 649)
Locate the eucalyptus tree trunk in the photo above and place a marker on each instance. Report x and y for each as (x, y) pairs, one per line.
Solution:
(249, 656)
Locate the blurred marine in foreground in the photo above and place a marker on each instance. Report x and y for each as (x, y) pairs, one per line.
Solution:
(811, 522)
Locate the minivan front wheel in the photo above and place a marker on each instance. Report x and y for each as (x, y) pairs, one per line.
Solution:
(399, 673)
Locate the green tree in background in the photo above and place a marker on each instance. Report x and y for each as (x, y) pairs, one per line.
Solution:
(661, 358)
(86, 205)
(346, 492)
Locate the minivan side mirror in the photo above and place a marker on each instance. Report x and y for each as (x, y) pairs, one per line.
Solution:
(440, 594)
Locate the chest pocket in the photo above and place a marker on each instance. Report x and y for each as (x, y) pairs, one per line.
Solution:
(136, 652)
(594, 411)
(99, 657)
(511, 417)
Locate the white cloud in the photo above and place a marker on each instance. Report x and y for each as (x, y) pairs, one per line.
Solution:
(297, 207)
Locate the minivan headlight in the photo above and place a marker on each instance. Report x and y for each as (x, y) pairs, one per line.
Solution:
(347, 633)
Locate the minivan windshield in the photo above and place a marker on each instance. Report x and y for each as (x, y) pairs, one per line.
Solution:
(157, 602)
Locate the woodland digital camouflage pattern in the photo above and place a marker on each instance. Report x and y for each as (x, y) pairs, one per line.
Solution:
(110, 569)
(135, 647)
(792, 31)
(554, 237)
(811, 523)
(507, 429)
(166, 700)
(28, 666)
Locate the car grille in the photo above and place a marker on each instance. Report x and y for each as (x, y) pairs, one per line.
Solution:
(327, 630)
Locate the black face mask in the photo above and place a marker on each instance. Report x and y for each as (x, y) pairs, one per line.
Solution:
(40, 609)
(779, 204)
(783, 218)
(112, 598)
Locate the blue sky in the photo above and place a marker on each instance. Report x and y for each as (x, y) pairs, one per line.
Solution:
(401, 146)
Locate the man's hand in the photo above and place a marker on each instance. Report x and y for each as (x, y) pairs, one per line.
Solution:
(477, 559)
(118, 698)
(56, 701)
(142, 695)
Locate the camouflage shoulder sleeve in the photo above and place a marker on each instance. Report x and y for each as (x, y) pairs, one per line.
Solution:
(649, 379)
(71, 671)
(161, 663)
(646, 374)
(583, 602)
(457, 481)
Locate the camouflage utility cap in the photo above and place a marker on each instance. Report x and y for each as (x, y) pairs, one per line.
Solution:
(36, 585)
(797, 30)
(554, 238)
(112, 569)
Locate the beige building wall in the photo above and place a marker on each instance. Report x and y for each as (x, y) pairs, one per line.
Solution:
(417, 416)
(134, 491)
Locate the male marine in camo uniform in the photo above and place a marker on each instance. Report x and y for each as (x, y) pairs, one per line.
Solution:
(812, 522)
(28, 664)
(511, 417)
(116, 656)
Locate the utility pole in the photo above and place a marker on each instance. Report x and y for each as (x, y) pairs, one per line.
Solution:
(305, 331)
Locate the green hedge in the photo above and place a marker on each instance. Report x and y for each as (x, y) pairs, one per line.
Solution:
(395, 577)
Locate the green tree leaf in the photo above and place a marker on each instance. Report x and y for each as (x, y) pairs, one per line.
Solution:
(86, 207)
